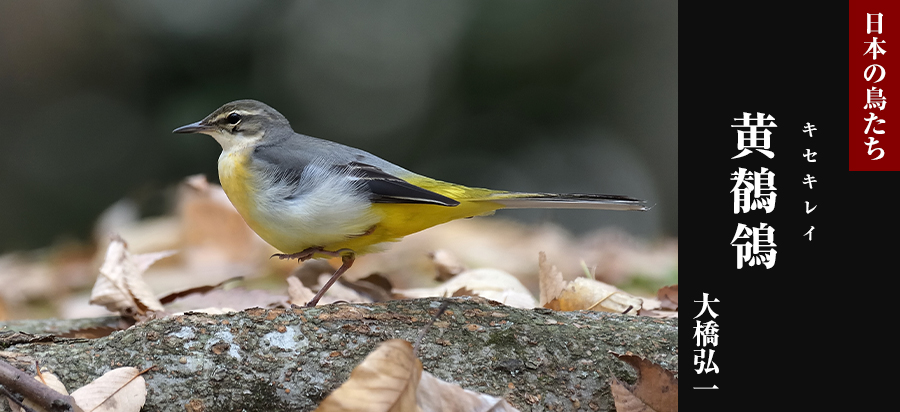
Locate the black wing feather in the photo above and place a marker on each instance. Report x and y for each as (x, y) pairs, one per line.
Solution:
(387, 188)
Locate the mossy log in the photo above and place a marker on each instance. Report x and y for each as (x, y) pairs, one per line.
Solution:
(290, 359)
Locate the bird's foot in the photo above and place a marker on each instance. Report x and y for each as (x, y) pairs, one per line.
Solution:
(305, 254)
(347, 258)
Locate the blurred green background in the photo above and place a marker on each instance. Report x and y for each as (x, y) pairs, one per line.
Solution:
(562, 96)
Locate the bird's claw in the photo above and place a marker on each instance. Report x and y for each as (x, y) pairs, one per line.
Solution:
(301, 256)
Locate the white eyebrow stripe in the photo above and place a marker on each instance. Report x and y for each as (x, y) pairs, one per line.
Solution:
(242, 112)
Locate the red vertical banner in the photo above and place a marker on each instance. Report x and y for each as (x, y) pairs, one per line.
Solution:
(874, 79)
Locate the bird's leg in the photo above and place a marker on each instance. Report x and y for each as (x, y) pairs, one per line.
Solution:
(347, 257)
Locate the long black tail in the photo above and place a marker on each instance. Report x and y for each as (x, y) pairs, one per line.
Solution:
(514, 200)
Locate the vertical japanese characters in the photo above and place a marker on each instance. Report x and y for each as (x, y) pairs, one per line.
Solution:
(706, 336)
(809, 179)
(754, 192)
(875, 98)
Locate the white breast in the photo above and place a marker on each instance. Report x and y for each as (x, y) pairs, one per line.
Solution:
(324, 207)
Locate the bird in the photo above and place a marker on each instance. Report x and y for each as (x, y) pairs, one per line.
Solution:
(313, 198)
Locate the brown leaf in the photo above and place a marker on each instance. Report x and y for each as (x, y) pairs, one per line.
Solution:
(582, 293)
(625, 400)
(297, 293)
(48, 379)
(550, 280)
(665, 307)
(488, 283)
(435, 395)
(463, 292)
(120, 286)
(119, 390)
(589, 294)
(553, 304)
(391, 379)
(386, 380)
(656, 387)
(446, 264)
(376, 287)
(668, 297)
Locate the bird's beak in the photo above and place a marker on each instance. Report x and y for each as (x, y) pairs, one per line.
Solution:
(196, 127)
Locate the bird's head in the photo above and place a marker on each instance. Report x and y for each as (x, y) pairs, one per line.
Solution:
(239, 123)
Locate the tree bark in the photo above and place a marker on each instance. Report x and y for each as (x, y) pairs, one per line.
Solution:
(290, 359)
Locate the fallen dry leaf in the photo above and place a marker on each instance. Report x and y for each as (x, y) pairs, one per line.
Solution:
(550, 280)
(120, 286)
(119, 390)
(48, 379)
(435, 395)
(386, 380)
(297, 293)
(51, 380)
(656, 387)
(582, 293)
(589, 294)
(375, 287)
(668, 296)
(665, 307)
(488, 283)
(463, 292)
(625, 401)
(391, 379)
(446, 264)
(652, 308)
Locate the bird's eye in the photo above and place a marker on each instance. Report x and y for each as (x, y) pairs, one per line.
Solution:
(233, 118)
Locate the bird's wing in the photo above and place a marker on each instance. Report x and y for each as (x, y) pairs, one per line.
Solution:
(287, 158)
(387, 188)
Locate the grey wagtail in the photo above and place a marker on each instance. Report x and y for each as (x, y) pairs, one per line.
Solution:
(312, 198)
